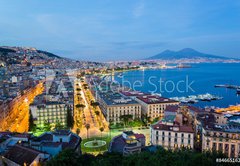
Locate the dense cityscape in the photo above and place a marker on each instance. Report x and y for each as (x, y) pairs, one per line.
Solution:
(50, 104)
(119, 83)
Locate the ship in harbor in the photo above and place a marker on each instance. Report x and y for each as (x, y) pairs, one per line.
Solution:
(196, 98)
(227, 86)
(238, 91)
(236, 87)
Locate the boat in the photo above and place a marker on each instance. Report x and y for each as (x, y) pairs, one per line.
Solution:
(192, 101)
(220, 86)
(120, 75)
(238, 91)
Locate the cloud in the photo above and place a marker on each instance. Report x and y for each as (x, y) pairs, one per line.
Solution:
(139, 9)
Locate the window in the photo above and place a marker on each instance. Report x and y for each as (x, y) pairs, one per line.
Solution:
(175, 140)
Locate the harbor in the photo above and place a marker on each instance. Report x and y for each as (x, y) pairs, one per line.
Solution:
(236, 87)
(196, 98)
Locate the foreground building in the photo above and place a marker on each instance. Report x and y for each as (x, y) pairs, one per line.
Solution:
(50, 112)
(127, 143)
(19, 155)
(114, 105)
(17, 149)
(154, 106)
(56, 141)
(219, 134)
(171, 133)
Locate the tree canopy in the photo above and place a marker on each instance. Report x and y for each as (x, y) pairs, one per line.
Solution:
(159, 158)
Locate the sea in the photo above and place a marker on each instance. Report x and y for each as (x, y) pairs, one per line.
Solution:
(182, 82)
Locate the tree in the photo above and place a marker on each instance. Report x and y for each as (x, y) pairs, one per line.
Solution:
(58, 125)
(159, 157)
(46, 126)
(146, 119)
(94, 104)
(80, 106)
(101, 130)
(87, 127)
(70, 120)
(125, 119)
(78, 131)
(97, 113)
(31, 122)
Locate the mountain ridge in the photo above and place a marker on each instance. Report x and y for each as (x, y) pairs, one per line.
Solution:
(185, 53)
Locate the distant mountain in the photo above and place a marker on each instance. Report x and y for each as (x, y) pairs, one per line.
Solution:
(186, 53)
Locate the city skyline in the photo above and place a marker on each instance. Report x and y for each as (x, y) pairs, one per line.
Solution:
(121, 30)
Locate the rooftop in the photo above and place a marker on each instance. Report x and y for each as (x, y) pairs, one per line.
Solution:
(119, 142)
(20, 154)
(116, 99)
(174, 127)
(155, 99)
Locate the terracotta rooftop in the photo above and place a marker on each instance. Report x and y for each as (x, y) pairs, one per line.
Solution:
(165, 127)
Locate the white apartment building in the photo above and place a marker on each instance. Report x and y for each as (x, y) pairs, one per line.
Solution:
(172, 135)
(50, 112)
(154, 106)
(114, 105)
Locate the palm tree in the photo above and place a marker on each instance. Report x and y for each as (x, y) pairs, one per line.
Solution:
(94, 104)
(101, 130)
(125, 119)
(78, 131)
(109, 126)
(87, 127)
(82, 106)
(97, 113)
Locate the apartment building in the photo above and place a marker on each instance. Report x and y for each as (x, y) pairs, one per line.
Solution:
(154, 106)
(114, 105)
(50, 112)
(222, 139)
(170, 134)
(219, 134)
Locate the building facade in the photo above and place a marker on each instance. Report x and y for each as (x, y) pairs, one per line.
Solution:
(172, 136)
(113, 106)
(50, 112)
(154, 106)
(220, 141)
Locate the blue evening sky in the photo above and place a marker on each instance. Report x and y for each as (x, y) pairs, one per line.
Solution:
(121, 29)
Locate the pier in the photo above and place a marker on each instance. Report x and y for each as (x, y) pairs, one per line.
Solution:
(228, 86)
